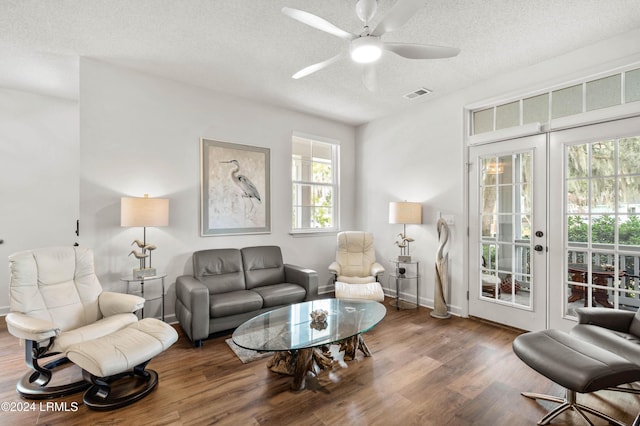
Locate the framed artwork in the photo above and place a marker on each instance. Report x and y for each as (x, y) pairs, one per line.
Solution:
(235, 188)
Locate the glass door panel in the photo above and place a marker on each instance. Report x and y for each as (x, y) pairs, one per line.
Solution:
(505, 288)
(600, 201)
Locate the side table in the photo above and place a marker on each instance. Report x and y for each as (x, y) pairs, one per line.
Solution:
(142, 281)
(412, 272)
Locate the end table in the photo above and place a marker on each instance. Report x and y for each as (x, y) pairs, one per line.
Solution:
(412, 272)
(142, 281)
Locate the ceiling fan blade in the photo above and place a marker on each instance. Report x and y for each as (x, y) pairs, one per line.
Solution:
(421, 51)
(315, 67)
(397, 16)
(369, 77)
(317, 23)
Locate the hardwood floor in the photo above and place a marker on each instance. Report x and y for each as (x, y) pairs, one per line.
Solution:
(423, 372)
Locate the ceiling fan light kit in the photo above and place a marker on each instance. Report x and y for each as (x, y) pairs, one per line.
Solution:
(367, 47)
(365, 50)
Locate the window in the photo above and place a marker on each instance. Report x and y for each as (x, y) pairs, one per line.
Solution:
(620, 88)
(314, 182)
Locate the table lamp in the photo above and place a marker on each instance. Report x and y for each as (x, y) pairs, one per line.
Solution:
(406, 213)
(144, 212)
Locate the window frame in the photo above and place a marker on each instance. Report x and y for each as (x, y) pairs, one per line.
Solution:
(334, 185)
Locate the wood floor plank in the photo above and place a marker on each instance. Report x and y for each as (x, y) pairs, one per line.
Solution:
(423, 371)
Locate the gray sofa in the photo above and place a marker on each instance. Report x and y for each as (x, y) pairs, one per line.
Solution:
(229, 286)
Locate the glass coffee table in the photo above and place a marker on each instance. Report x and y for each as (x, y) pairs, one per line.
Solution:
(300, 343)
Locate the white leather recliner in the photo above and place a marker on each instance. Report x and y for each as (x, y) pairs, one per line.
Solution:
(355, 270)
(59, 309)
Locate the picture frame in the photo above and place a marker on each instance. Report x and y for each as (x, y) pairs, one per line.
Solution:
(235, 194)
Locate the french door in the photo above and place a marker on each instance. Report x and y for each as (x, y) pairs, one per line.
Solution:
(541, 248)
(596, 221)
(508, 232)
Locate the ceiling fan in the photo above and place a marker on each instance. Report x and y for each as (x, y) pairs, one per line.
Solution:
(367, 46)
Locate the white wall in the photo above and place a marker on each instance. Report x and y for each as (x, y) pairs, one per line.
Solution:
(39, 152)
(418, 155)
(140, 134)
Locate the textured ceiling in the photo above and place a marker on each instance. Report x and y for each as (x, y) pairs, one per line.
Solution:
(249, 48)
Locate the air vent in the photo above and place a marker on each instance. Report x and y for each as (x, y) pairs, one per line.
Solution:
(417, 93)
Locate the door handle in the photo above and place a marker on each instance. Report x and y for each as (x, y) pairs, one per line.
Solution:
(538, 247)
(539, 234)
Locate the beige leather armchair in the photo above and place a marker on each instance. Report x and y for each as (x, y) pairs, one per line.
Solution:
(355, 271)
(60, 311)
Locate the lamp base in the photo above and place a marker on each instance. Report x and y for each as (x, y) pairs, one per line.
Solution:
(142, 273)
(404, 258)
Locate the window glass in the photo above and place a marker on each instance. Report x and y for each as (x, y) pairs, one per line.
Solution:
(314, 166)
(566, 101)
(535, 109)
(483, 121)
(604, 92)
(632, 86)
(508, 115)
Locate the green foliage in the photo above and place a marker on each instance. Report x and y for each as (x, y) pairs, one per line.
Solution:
(629, 232)
(322, 201)
(578, 229)
(603, 230)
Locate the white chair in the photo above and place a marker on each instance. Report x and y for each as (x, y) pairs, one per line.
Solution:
(355, 271)
(59, 309)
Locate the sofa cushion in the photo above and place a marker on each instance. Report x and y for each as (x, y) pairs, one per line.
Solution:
(234, 302)
(281, 294)
(219, 269)
(623, 344)
(262, 266)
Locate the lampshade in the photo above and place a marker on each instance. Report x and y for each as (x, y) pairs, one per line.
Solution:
(405, 212)
(144, 211)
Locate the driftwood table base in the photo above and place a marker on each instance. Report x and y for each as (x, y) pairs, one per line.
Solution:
(299, 362)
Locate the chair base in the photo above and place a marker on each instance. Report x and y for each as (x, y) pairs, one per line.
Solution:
(625, 389)
(568, 403)
(33, 384)
(101, 396)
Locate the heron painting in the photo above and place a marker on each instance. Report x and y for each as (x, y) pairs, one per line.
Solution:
(244, 184)
(235, 188)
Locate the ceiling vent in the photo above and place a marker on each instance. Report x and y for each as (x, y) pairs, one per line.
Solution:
(417, 93)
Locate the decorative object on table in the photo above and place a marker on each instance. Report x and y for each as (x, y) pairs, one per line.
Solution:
(144, 212)
(401, 272)
(318, 325)
(235, 188)
(405, 213)
(319, 316)
(442, 265)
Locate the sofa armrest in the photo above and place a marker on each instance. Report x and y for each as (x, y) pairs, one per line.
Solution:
(376, 270)
(112, 303)
(28, 328)
(307, 278)
(193, 295)
(606, 318)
